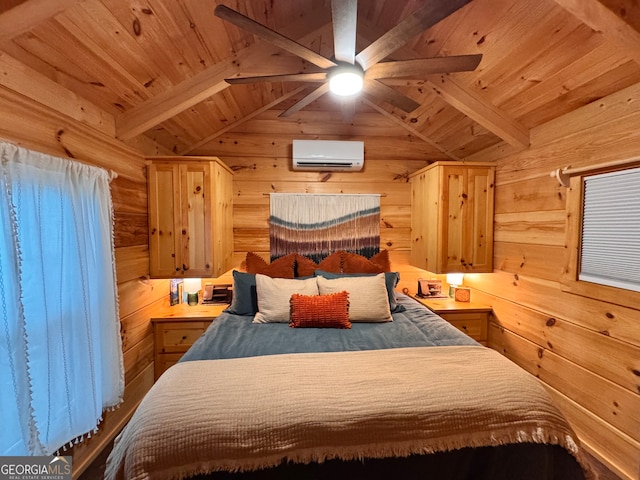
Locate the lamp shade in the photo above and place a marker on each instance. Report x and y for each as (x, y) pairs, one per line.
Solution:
(455, 278)
(192, 285)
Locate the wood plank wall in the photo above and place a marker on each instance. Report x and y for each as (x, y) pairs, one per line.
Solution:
(585, 350)
(33, 126)
(262, 166)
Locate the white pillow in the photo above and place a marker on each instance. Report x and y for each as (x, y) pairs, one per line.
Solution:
(274, 297)
(368, 297)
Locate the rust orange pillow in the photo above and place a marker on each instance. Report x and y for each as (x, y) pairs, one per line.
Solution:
(320, 311)
(305, 266)
(279, 268)
(332, 263)
(382, 258)
(354, 263)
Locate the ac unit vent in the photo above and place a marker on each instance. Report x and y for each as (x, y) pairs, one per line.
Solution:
(328, 155)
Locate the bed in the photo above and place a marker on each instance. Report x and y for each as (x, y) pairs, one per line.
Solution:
(409, 397)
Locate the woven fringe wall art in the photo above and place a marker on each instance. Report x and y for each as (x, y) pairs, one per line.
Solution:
(318, 225)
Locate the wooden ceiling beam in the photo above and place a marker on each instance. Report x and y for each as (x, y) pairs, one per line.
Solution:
(207, 83)
(486, 114)
(410, 129)
(601, 19)
(26, 81)
(29, 14)
(171, 102)
(242, 120)
(481, 111)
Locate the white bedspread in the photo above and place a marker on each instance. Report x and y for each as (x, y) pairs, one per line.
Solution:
(249, 413)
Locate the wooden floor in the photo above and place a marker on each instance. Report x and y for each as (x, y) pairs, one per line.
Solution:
(96, 470)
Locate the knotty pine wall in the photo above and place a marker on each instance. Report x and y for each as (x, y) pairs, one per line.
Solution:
(33, 126)
(587, 351)
(262, 165)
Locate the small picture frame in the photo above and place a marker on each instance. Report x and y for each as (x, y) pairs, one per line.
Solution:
(462, 294)
(429, 288)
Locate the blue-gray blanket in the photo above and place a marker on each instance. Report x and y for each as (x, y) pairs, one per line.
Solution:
(235, 336)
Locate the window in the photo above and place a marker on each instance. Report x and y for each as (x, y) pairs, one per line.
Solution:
(603, 235)
(60, 348)
(610, 253)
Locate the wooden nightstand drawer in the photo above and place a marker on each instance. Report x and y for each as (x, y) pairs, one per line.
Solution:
(178, 336)
(473, 324)
(468, 317)
(172, 338)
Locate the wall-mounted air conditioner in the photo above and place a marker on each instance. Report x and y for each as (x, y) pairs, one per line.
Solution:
(328, 155)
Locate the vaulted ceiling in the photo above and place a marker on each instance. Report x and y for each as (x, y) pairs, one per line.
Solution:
(158, 68)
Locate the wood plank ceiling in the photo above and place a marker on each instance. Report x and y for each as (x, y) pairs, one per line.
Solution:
(157, 68)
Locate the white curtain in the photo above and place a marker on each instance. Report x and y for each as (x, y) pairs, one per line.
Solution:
(60, 349)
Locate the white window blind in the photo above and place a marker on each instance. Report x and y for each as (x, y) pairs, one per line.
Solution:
(610, 251)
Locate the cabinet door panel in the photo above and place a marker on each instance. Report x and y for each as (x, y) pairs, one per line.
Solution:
(452, 218)
(479, 244)
(426, 229)
(222, 220)
(196, 230)
(454, 227)
(184, 240)
(164, 212)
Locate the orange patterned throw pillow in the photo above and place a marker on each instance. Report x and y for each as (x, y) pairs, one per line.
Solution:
(280, 268)
(320, 311)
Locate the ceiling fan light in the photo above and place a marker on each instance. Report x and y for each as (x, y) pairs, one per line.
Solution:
(345, 83)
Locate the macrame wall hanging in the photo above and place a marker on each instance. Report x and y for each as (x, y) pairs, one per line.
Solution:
(316, 225)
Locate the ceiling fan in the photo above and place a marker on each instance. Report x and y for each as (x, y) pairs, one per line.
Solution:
(353, 71)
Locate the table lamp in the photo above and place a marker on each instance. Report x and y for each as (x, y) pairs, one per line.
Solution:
(454, 280)
(192, 287)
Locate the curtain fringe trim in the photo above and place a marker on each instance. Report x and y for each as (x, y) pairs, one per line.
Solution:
(34, 443)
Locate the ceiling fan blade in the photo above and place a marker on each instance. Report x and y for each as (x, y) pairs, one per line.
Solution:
(390, 95)
(287, 77)
(424, 66)
(348, 109)
(272, 36)
(420, 20)
(344, 14)
(317, 93)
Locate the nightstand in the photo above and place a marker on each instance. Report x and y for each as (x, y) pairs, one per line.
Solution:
(175, 333)
(468, 317)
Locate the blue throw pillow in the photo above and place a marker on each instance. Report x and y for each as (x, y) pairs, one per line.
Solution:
(245, 296)
(391, 279)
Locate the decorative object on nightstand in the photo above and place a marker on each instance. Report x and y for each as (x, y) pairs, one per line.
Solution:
(454, 280)
(462, 294)
(431, 288)
(175, 291)
(217, 293)
(192, 287)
